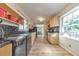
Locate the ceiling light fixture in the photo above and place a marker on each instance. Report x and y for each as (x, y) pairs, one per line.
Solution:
(41, 19)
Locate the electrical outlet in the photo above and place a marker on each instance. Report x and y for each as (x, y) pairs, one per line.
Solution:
(69, 45)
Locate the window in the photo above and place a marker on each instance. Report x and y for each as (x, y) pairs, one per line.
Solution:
(70, 23)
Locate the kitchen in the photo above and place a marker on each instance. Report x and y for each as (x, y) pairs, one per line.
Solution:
(14, 35)
(23, 32)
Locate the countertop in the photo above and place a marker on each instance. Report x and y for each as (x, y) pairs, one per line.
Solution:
(17, 37)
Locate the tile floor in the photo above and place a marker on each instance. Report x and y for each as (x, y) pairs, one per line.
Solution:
(43, 48)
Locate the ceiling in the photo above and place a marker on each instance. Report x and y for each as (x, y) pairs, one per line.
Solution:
(46, 10)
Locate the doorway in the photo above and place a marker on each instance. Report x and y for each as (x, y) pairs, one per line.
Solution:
(40, 30)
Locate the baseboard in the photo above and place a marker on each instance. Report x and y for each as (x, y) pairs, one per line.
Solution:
(68, 50)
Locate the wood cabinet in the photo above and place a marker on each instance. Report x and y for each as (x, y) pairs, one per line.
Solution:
(10, 14)
(53, 38)
(54, 21)
(20, 21)
(6, 50)
(33, 38)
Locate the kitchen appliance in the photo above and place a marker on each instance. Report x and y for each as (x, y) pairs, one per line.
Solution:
(28, 43)
(18, 44)
(19, 47)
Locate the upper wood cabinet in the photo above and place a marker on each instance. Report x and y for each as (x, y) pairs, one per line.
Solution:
(54, 21)
(10, 14)
(20, 21)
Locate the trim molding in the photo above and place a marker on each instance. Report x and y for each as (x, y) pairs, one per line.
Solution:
(68, 50)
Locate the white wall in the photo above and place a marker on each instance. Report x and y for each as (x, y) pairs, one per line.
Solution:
(65, 42)
(69, 44)
(67, 8)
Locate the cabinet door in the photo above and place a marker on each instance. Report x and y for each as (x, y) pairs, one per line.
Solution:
(49, 37)
(54, 21)
(53, 39)
(20, 21)
(6, 50)
(33, 38)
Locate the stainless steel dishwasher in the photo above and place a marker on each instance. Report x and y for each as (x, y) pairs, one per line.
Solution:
(18, 45)
(20, 48)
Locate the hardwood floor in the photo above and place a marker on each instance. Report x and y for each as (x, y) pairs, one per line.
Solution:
(43, 48)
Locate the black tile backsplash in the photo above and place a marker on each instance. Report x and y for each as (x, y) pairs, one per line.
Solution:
(54, 29)
(9, 29)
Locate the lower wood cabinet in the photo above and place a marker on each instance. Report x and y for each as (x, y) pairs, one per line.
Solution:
(6, 50)
(53, 38)
(33, 37)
